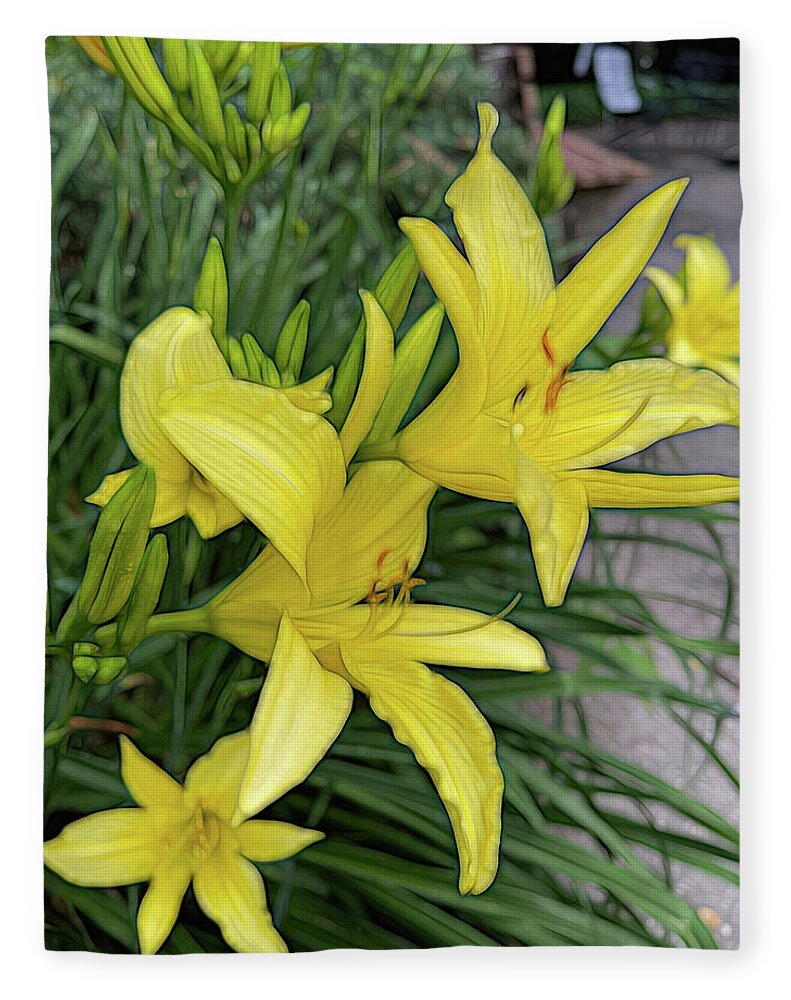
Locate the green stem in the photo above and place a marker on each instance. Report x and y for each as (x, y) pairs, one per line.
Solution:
(193, 620)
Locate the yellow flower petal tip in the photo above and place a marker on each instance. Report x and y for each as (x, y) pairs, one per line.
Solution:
(488, 119)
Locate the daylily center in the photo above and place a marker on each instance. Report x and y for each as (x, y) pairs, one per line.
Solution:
(200, 835)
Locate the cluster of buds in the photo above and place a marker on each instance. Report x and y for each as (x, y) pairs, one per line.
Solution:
(122, 582)
(229, 103)
(552, 183)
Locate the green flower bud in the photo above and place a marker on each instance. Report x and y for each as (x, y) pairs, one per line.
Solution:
(236, 359)
(392, 293)
(412, 358)
(137, 66)
(252, 356)
(205, 96)
(232, 169)
(253, 137)
(291, 344)
(264, 62)
(234, 130)
(144, 598)
(110, 667)
(297, 121)
(85, 649)
(552, 183)
(117, 547)
(211, 291)
(280, 98)
(175, 52)
(85, 668)
(269, 373)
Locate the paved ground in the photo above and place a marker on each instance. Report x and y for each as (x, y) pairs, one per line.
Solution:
(707, 152)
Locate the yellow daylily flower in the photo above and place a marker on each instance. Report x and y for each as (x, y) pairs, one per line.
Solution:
(182, 834)
(704, 309)
(515, 423)
(223, 448)
(323, 644)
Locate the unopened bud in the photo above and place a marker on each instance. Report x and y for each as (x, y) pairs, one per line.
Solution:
(117, 547)
(392, 293)
(110, 667)
(211, 291)
(292, 342)
(264, 62)
(144, 598)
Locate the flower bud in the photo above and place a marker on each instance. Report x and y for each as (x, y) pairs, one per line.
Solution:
(110, 667)
(144, 598)
(291, 344)
(252, 356)
(175, 52)
(85, 668)
(117, 547)
(205, 96)
(264, 62)
(211, 292)
(392, 293)
(412, 358)
(280, 98)
(235, 135)
(236, 359)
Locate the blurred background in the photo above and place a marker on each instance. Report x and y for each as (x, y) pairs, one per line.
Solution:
(643, 651)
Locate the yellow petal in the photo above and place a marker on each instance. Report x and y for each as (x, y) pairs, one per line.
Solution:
(453, 742)
(148, 784)
(669, 287)
(507, 249)
(605, 274)
(281, 466)
(376, 532)
(706, 269)
(377, 528)
(177, 350)
(215, 777)
(375, 379)
(230, 891)
(603, 416)
(300, 713)
(639, 489)
(450, 276)
(556, 514)
(115, 847)
(452, 637)
(265, 840)
(159, 908)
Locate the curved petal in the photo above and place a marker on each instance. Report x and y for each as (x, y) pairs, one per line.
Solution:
(265, 840)
(432, 633)
(706, 269)
(605, 274)
(177, 350)
(300, 713)
(453, 742)
(374, 380)
(216, 776)
(450, 276)
(159, 908)
(281, 466)
(115, 847)
(508, 252)
(556, 513)
(230, 891)
(148, 784)
(640, 489)
(376, 530)
(603, 416)
(668, 286)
